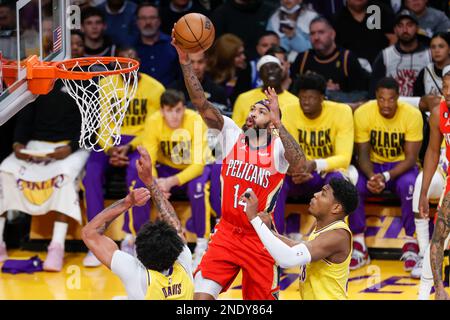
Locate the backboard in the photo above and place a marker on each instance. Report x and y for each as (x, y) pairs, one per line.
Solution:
(28, 27)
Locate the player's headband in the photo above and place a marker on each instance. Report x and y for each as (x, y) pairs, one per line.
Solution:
(266, 104)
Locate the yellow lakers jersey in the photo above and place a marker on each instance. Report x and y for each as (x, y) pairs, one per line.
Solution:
(177, 285)
(324, 280)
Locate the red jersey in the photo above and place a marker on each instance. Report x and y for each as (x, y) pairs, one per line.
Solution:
(444, 126)
(243, 167)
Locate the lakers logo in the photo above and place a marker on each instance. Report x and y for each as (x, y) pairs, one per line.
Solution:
(38, 193)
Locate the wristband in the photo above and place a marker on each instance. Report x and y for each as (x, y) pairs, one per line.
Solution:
(387, 176)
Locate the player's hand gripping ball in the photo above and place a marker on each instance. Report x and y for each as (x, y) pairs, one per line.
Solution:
(194, 32)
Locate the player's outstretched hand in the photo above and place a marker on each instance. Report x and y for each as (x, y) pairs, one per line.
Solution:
(182, 55)
(272, 96)
(137, 197)
(144, 166)
(251, 200)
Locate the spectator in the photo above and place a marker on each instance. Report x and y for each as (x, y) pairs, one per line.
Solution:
(214, 92)
(157, 55)
(120, 17)
(282, 55)
(265, 42)
(328, 8)
(291, 22)
(228, 67)
(271, 75)
(352, 32)
(49, 179)
(347, 81)
(144, 103)
(175, 10)
(404, 60)
(246, 19)
(388, 135)
(96, 43)
(175, 144)
(325, 131)
(430, 20)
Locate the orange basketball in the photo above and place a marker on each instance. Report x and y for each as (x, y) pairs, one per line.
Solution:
(194, 32)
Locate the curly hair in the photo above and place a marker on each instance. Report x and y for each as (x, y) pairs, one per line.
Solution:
(158, 245)
(345, 193)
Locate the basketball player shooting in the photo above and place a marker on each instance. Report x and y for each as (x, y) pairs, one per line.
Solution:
(162, 268)
(252, 160)
(324, 259)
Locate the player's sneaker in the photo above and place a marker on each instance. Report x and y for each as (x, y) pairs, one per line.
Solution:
(3, 252)
(91, 260)
(55, 257)
(410, 255)
(128, 247)
(360, 257)
(200, 248)
(416, 272)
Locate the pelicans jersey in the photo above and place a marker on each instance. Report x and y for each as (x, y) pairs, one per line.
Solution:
(324, 280)
(235, 245)
(175, 285)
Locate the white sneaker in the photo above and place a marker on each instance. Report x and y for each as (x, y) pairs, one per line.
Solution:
(91, 260)
(425, 287)
(416, 272)
(200, 248)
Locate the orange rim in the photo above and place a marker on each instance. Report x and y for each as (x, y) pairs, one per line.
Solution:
(63, 67)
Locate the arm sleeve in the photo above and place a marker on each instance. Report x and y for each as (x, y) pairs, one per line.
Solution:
(185, 259)
(284, 256)
(228, 136)
(281, 164)
(344, 142)
(132, 274)
(378, 72)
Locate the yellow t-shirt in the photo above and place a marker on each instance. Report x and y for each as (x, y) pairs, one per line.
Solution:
(184, 148)
(177, 285)
(387, 136)
(145, 102)
(289, 106)
(329, 136)
(324, 280)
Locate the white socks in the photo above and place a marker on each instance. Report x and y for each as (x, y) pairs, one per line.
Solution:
(59, 232)
(423, 234)
(2, 227)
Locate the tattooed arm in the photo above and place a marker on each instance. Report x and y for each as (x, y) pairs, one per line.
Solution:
(212, 117)
(165, 209)
(92, 234)
(441, 232)
(292, 151)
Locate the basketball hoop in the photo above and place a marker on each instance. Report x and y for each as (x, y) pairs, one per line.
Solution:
(102, 88)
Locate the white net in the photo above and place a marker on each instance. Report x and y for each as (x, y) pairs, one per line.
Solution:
(103, 101)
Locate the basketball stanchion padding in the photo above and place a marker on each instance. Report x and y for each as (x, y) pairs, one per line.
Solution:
(102, 88)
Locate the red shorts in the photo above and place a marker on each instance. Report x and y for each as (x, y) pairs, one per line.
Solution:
(232, 249)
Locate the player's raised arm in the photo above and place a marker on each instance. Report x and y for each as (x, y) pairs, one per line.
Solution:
(292, 151)
(165, 209)
(212, 117)
(92, 234)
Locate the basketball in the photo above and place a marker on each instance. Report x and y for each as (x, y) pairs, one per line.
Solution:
(194, 32)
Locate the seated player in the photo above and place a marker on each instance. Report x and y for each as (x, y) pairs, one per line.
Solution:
(144, 103)
(174, 137)
(324, 130)
(388, 135)
(325, 258)
(49, 179)
(161, 269)
(270, 71)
